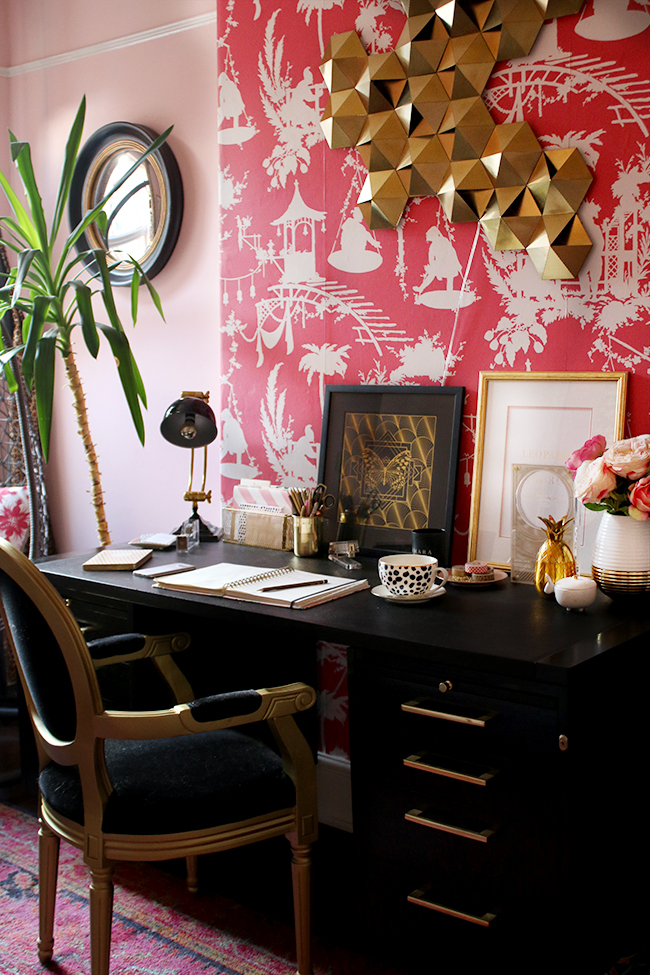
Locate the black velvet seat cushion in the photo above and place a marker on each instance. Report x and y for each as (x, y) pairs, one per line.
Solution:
(173, 785)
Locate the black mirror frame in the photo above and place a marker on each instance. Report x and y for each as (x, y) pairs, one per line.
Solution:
(91, 156)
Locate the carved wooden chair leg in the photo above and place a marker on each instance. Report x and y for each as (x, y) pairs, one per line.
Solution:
(48, 867)
(301, 879)
(192, 876)
(101, 916)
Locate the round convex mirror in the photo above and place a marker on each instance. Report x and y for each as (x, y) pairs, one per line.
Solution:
(144, 215)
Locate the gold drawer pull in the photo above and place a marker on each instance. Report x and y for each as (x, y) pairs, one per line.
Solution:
(451, 712)
(424, 898)
(469, 831)
(462, 771)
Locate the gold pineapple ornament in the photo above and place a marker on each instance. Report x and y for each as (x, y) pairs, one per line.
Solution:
(554, 558)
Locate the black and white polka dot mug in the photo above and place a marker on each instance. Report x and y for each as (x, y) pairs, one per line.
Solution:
(410, 575)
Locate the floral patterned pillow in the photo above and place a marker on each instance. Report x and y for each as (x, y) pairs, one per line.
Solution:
(14, 515)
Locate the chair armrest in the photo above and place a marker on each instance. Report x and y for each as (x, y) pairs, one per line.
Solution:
(271, 702)
(134, 646)
(244, 707)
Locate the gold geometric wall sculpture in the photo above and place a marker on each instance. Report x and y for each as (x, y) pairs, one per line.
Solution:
(419, 122)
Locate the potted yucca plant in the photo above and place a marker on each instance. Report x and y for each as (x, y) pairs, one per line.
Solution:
(57, 294)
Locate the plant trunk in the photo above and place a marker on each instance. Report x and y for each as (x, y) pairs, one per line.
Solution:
(97, 495)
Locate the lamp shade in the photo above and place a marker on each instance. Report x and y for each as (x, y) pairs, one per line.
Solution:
(189, 422)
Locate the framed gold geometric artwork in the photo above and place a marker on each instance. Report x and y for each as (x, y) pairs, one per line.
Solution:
(389, 457)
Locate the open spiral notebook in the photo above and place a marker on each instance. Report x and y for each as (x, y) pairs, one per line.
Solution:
(293, 588)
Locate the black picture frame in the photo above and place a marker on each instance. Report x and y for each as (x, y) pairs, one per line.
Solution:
(97, 156)
(389, 457)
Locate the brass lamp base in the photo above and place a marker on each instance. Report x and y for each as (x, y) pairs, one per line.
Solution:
(207, 532)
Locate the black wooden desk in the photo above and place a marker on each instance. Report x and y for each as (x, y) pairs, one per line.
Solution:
(498, 752)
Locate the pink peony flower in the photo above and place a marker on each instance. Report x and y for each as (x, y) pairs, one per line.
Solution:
(594, 481)
(629, 458)
(589, 451)
(640, 500)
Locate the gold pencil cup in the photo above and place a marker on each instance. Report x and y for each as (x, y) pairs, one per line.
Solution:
(307, 535)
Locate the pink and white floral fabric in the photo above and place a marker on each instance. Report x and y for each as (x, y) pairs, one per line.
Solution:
(334, 735)
(14, 515)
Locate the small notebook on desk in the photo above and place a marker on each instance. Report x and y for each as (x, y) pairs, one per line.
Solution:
(288, 587)
(118, 558)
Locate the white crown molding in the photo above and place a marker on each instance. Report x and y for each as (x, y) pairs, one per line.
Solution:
(178, 27)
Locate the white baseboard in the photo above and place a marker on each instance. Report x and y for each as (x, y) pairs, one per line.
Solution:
(334, 792)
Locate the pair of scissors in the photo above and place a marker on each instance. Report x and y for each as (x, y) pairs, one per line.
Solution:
(321, 499)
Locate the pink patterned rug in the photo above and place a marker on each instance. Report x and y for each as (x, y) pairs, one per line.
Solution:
(158, 927)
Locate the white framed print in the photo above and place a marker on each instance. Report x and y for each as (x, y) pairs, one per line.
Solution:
(535, 418)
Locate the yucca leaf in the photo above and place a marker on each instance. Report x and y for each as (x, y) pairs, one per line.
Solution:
(35, 323)
(24, 228)
(79, 259)
(70, 159)
(24, 260)
(84, 303)
(102, 226)
(125, 367)
(135, 293)
(17, 242)
(6, 306)
(5, 361)
(139, 385)
(8, 354)
(44, 364)
(155, 297)
(22, 156)
(107, 288)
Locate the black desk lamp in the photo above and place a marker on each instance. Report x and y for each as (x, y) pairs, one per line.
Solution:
(189, 422)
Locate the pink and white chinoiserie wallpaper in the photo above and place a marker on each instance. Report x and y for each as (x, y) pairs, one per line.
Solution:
(309, 296)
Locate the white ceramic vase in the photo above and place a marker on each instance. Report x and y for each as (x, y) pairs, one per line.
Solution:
(621, 558)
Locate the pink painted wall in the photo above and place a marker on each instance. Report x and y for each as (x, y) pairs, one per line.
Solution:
(5, 61)
(166, 80)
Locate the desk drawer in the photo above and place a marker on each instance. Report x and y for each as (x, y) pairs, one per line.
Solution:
(506, 858)
(473, 773)
(102, 618)
(428, 928)
(407, 718)
(455, 784)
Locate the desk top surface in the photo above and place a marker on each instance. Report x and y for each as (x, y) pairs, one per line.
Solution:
(507, 626)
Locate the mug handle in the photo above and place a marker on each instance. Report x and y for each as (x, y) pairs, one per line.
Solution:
(445, 575)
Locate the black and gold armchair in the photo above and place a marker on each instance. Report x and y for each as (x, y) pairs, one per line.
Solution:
(151, 785)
